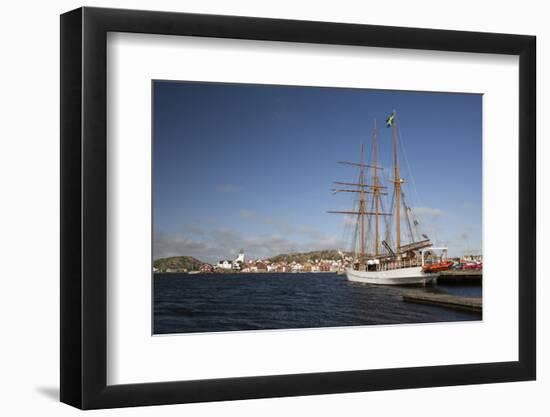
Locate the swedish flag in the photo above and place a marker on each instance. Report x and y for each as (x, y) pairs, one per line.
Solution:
(389, 120)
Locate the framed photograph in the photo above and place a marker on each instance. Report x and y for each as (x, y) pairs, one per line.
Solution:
(257, 208)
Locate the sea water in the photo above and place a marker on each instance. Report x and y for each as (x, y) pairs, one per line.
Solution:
(233, 301)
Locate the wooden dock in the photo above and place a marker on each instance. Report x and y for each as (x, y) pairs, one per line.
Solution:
(473, 304)
(467, 276)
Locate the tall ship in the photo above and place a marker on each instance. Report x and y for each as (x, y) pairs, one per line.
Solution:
(379, 256)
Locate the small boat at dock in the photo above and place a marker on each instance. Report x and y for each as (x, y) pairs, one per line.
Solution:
(438, 266)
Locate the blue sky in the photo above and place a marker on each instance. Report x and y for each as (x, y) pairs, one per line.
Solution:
(252, 166)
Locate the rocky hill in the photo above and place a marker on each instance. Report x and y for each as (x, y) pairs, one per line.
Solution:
(177, 264)
(307, 256)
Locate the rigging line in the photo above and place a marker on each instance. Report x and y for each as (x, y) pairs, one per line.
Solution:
(358, 233)
(407, 215)
(416, 224)
(386, 157)
(346, 238)
(387, 231)
(369, 224)
(353, 246)
(409, 171)
(357, 202)
(353, 243)
(361, 210)
(392, 218)
(382, 179)
(412, 180)
(348, 234)
(342, 237)
(368, 177)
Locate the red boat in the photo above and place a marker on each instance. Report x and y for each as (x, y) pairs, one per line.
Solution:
(437, 267)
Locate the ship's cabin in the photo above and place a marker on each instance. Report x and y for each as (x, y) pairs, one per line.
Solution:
(372, 264)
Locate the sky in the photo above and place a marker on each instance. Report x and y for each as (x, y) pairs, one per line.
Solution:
(242, 166)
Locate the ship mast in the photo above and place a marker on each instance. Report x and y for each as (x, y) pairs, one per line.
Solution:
(376, 190)
(397, 182)
(363, 189)
(362, 203)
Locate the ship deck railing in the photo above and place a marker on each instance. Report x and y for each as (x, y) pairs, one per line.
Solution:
(391, 265)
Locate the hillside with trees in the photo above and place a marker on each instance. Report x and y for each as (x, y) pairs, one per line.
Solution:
(308, 256)
(188, 263)
(177, 264)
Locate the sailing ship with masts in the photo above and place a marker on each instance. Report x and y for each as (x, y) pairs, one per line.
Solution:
(390, 262)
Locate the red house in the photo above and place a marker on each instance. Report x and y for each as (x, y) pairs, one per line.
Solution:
(261, 267)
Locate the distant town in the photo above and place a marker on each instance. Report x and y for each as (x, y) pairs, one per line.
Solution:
(320, 261)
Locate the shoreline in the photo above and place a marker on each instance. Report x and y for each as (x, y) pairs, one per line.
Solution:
(240, 272)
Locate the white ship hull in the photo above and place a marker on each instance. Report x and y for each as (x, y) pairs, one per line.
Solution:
(402, 276)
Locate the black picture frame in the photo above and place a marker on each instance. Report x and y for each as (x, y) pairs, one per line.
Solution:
(84, 207)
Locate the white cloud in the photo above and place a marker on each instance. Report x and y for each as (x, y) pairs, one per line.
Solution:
(428, 212)
(282, 225)
(176, 245)
(212, 244)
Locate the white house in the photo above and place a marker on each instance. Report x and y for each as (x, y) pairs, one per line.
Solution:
(239, 261)
(240, 258)
(225, 264)
(297, 267)
(236, 264)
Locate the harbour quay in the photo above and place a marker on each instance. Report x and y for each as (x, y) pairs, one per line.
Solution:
(461, 276)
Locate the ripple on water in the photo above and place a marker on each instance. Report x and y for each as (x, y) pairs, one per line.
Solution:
(229, 302)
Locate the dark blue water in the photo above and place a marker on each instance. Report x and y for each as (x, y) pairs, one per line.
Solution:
(225, 302)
